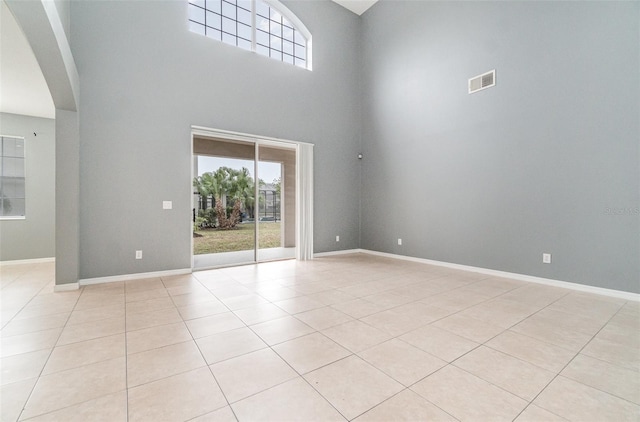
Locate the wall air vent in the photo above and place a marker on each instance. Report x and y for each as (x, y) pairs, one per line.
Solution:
(480, 82)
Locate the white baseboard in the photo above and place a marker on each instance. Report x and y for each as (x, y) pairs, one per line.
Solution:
(66, 287)
(27, 261)
(332, 253)
(137, 276)
(515, 276)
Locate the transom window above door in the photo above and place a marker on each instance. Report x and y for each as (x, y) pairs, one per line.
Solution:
(264, 26)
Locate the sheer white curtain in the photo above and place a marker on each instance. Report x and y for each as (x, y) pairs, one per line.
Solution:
(304, 196)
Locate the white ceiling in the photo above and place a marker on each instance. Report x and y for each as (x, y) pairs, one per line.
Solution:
(23, 88)
(356, 6)
(22, 85)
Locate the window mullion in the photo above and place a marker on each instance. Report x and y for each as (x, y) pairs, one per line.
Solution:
(253, 25)
(272, 34)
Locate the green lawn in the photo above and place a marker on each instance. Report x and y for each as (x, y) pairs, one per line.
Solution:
(239, 239)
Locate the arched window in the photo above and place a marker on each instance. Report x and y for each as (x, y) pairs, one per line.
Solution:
(264, 26)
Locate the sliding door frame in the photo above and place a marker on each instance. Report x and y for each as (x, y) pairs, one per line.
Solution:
(304, 184)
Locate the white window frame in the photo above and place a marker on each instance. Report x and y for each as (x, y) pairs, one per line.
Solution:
(297, 23)
(17, 217)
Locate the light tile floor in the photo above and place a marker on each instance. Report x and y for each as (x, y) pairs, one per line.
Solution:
(352, 337)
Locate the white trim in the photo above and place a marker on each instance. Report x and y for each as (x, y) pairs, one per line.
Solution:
(127, 277)
(192, 200)
(67, 287)
(342, 252)
(228, 135)
(254, 30)
(27, 261)
(237, 264)
(521, 277)
(24, 167)
(256, 201)
(283, 209)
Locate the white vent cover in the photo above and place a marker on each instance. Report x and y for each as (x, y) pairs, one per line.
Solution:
(480, 82)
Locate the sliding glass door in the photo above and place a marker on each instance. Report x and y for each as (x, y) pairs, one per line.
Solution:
(243, 207)
(277, 193)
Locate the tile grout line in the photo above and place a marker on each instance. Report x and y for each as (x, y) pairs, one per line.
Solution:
(36, 294)
(593, 336)
(484, 344)
(126, 353)
(568, 363)
(270, 346)
(204, 358)
(24, 406)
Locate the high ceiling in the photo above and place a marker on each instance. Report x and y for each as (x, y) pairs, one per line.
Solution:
(356, 6)
(22, 85)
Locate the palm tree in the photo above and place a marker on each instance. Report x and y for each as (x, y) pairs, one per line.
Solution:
(228, 183)
(225, 184)
(245, 190)
(205, 186)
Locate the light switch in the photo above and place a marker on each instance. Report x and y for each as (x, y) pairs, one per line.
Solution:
(167, 205)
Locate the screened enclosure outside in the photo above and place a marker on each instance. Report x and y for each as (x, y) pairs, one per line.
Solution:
(238, 217)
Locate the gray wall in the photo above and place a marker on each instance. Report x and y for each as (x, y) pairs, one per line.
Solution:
(33, 237)
(546, 161)
(67, 196)
(145, 79)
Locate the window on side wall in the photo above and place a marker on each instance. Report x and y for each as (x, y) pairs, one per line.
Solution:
(12, 178)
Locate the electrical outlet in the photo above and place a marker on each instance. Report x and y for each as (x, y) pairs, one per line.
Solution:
(546, 258)
(138, 254)
(337, 238)
(399, 242)
(167, 205)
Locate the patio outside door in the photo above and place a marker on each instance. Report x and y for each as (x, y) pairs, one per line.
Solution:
(243, 208)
